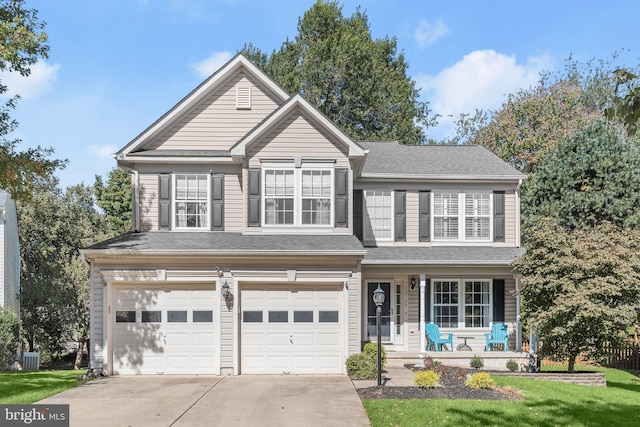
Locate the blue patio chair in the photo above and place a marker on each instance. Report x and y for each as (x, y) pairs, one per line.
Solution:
(437, 340)
(499, 335)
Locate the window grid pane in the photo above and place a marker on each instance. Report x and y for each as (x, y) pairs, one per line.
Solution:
(445, 216)
(279, 193)
(379, 213)
(477, 216)
(316, 197)
(477, 299)
(445, 303)
(191, 197)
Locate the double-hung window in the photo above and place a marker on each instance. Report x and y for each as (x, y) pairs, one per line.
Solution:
(461, 303)
(298, 196)
(462, 216)
(191, 201)
(378, 215)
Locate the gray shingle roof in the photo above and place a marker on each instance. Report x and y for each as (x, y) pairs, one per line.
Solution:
(230, 243)
(437, 161)
(442, 255)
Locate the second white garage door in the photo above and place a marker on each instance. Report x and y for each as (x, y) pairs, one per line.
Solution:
(291, 330)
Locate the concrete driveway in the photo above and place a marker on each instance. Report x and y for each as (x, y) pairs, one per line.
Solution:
(247, 400)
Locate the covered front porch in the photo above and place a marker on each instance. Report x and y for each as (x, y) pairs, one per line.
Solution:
(493, 360)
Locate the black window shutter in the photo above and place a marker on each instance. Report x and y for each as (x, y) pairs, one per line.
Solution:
(498, 300)
(498, 216)
(401, 216)
(164, 192)
(217, 201)
(357, 213)
(253, 208)
(342, 198)
(425, 216)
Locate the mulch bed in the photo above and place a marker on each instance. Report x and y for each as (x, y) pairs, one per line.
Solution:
(451, 387)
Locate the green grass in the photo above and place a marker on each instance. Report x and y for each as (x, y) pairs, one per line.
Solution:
(31, 386)
(545, 403)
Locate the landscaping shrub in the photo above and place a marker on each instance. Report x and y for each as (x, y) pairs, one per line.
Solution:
(480, 380)
(9, 338)
(362, 366)
(426, 379)
(476, 362)
(371, 348)
(512, 365)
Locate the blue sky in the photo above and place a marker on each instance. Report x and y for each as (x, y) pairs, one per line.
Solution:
(115, 66)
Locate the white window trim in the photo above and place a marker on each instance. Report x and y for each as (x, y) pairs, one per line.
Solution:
(461, 304)
(461, 239)
(174, 226)
(297, 194)
(369, 235)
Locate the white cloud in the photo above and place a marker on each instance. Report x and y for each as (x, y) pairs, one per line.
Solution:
(102, 151)
(480, 80)
(428, 32)
(208, 66)
(40, 81)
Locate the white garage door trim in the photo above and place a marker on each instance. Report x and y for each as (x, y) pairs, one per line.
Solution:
(165, 329)
(292, 329)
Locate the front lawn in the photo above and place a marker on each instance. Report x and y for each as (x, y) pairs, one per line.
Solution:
(546, 403)
(31, 386)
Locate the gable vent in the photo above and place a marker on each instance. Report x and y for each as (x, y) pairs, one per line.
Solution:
(243, 97)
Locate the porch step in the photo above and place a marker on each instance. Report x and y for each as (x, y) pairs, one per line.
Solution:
(493, 360)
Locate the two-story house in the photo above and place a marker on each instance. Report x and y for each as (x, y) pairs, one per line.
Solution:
(261, 231)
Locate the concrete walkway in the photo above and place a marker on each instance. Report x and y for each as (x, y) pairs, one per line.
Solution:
(246, 400)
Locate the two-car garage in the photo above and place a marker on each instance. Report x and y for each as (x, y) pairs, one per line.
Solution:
(281, 329)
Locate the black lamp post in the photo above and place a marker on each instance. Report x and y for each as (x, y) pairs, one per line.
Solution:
(378, 299)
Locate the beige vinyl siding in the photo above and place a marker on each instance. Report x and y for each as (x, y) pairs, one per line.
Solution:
(148, 185)
(412, 217)
(96, 324)
(227, 341)
(509, 220)
(355, 314)
(296, 134)
(216, 123)
(234, 202)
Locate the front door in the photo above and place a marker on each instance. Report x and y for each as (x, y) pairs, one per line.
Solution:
(387, 321)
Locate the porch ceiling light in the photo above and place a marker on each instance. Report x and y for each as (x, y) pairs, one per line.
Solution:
(378, 296)
(225, 290)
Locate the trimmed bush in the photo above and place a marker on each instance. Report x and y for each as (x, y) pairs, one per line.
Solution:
(371, 348)
(480, 380)
(512, 365)
(476, 362)
(362, 366)
(426, 379)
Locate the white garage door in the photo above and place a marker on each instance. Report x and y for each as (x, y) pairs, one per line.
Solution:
(292, 330)
(164, 331)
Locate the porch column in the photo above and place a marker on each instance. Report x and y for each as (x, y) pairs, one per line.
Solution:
(518, 322)
(423, 339)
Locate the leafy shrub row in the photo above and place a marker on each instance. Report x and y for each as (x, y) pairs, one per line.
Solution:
(364, 366)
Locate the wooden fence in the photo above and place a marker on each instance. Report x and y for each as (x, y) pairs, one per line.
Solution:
(627, 358)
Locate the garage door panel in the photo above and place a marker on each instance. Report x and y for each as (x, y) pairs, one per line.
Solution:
(181, 347)
(294, 342)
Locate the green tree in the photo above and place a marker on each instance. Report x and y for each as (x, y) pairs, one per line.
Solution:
(9, 338)
(114, 198)
(580, 288)
(625, 105)
(361, 84)
(589, 178)
(55, 225)
(22, 43)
